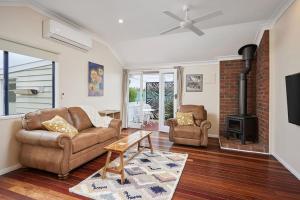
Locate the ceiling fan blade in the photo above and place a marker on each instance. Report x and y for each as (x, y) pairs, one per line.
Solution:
(196, 30)
(169, 30)
(173, 16)
(207, 16)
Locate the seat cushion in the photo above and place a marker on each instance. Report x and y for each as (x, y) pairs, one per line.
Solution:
(83, 141)
(189, 132)
(80, 119)
(103, 134)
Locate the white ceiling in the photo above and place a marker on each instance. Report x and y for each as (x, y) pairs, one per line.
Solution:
(138, 43)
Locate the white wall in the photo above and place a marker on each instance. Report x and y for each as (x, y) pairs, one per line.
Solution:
(24, 25)
(285, 60)
(210, 95)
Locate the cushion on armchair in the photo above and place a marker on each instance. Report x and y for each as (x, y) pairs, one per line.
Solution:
(185, 119)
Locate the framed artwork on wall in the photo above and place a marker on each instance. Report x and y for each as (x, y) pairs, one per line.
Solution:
(194, 83)
(95, 79)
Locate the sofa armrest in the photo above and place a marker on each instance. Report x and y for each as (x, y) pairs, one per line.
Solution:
(43, 138)
(116, 124)
(172, 122)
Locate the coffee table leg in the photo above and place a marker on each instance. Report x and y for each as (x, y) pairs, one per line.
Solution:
(150, 143)
(139, 145)
(122, 168)
(106, 164)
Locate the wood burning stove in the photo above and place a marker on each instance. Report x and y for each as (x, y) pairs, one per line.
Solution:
(243, 125)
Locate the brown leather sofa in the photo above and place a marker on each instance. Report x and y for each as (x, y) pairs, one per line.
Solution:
(56, 152)
(191, 135)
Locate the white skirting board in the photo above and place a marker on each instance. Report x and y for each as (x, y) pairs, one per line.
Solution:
(9, 169)
(287, 166)
(245, 151)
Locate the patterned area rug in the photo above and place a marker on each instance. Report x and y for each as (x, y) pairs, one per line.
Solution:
(148, 176)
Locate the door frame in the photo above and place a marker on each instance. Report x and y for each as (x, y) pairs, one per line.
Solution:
(162, 126)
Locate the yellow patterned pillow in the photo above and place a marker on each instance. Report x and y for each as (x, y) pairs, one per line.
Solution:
(59, 124)
(185, 119)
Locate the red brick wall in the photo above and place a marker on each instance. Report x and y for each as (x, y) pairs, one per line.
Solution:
(229, 89)
(258, 89)
(262, 89)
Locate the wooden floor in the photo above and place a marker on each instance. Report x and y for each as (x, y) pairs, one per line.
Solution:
(210, 173)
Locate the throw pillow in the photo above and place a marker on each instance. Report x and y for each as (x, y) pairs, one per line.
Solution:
(185, 119)
(59, 124)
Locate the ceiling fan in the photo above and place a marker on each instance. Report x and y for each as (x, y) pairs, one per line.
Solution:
(188, 23)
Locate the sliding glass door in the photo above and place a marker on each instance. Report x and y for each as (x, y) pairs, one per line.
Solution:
(151, 99)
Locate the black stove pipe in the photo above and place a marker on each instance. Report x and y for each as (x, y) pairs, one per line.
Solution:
(248, 52)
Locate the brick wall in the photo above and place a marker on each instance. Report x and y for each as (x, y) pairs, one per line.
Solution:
(258, 89)
(229, 89)
(262, 89)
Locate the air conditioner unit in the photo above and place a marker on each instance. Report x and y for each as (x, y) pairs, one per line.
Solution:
(64, 34)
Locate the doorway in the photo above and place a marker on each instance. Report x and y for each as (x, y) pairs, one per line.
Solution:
(151, 99)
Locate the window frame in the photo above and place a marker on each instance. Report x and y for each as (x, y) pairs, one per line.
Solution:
(6, 84)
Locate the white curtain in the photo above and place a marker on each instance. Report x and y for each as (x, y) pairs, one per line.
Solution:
(179, 85)
(124, 98)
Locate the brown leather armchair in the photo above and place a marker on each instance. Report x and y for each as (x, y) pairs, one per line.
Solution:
(191, 135)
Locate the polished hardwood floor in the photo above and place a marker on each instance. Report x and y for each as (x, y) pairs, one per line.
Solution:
(210, 173)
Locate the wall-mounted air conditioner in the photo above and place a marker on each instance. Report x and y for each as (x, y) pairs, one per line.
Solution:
(64, 34)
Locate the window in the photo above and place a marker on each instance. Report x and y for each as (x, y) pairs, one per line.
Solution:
(26, 83)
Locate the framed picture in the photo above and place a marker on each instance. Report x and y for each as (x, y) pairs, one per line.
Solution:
(194, 83)
(95, 79)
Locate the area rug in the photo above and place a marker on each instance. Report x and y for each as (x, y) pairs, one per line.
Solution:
(148, 176)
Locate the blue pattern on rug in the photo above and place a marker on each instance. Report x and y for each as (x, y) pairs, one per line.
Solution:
(126, 181)
(98, 187)
(131, 197)
(171, 165)
(158, 189)
(97, 175)
(145, 160)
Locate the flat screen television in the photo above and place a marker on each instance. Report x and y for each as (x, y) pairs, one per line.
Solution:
(293, 97)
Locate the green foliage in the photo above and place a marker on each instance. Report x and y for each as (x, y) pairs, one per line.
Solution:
(133, 92)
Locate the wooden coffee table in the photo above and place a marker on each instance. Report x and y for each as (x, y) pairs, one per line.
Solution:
(120, 147)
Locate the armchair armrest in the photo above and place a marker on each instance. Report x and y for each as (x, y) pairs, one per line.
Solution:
(205, 125)
(116, 124)
(172, 122)
(43, 138)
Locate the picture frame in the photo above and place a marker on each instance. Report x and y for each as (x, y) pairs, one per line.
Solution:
(194, 83)
(95, 79)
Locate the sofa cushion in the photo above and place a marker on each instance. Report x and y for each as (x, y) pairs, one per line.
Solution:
(103, 134)
(189, 132)
(83, 141)
(33, 120)
(80, 119)
(59, 124)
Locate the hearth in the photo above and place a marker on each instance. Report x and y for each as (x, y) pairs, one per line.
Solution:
(243, 125)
